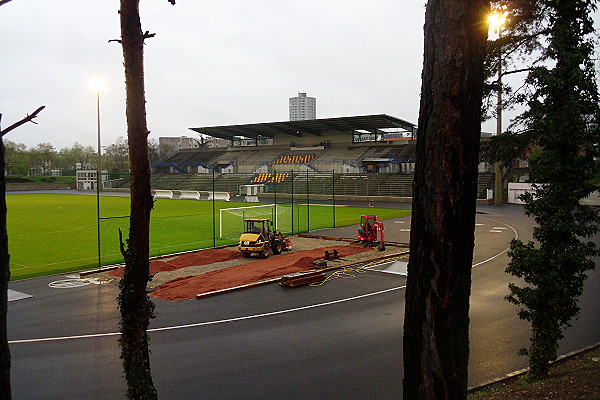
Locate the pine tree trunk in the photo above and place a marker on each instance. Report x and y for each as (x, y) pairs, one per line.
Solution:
(5, 391)
(135, 305)
(436, 324)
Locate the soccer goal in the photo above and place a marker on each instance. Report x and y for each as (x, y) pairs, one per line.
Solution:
(231, 220)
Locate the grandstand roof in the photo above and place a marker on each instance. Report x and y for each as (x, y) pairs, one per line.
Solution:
(370, 123)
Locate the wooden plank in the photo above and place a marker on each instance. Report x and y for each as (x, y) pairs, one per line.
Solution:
(302, 278)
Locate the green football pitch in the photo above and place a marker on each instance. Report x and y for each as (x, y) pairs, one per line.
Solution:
(56, 233)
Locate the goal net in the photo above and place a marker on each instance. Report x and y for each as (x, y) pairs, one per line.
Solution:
(231, 220)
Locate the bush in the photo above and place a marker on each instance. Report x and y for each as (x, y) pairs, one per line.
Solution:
(48, 179)
(18, 179)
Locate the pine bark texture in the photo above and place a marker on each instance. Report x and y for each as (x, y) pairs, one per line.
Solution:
(436, 324)
(135, 305)
(5, 389)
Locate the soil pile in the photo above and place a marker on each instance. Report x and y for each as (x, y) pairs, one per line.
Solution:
(203, 257)
(188, 287)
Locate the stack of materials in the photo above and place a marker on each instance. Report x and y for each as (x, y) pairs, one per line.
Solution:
(302, 278)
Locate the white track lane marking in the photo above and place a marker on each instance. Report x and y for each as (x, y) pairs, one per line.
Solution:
(247, 317)
(220, 321)
(503, 251)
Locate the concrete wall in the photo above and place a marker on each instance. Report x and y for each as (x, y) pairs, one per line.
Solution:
(517, 189)
(313, 140)
(12, 187)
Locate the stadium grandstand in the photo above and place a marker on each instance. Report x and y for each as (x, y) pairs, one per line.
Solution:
(357, 157)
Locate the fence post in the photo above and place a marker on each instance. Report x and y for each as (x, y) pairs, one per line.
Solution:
(307, 205)
(292, 201)
(333, 195)
(213, 209)
(275, 198)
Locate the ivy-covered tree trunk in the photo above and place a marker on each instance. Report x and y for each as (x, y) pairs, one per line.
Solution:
(563, 119)
(436, 323)
(135, 305)
(5, 391)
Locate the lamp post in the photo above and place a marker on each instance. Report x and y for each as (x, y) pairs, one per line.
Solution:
(98, 87)
(496, 20)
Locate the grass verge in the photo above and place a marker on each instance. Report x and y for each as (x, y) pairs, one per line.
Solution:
(574, 377)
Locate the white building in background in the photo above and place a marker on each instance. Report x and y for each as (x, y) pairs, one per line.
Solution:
(87, 179)
(303, 107)
(169, 144)
(178, 143)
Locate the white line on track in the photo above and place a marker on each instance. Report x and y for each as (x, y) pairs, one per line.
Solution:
(220, 321)
(248, 317)
(503, 251)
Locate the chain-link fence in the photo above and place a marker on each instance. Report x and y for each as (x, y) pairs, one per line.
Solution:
(191, 211)
(294, 201)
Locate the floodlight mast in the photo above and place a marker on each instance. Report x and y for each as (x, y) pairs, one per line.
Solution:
(496, 20)
(98, 86)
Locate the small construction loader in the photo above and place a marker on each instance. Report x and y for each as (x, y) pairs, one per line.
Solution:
(369, 230)
(258, 238)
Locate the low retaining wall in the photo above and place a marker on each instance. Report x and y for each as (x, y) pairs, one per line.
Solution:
(29, 187)
(116, 190)
(299, 197)
(269, 197)
(265, 197)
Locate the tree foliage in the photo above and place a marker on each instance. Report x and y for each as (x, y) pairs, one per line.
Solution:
(15, 158)
(561, 120)
(40, 159)
(517, 50)
(117, 156)
(68, 158)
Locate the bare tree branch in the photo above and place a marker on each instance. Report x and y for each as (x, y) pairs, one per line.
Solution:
(147, 35)
(516, 71)
(28, 118)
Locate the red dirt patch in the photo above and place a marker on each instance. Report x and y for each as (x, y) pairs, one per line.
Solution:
(283, 264)
(203, 257)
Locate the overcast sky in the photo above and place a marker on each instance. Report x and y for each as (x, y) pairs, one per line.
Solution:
(211, 63)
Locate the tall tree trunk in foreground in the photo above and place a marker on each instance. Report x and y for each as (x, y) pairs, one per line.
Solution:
(135, 305)
(5, 391)
(436, 323)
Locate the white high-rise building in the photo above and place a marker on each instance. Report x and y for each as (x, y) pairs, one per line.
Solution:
(303, 107)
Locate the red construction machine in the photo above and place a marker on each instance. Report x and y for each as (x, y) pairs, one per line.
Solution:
(370, 231)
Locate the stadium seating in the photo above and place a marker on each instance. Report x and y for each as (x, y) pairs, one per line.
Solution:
(295, 159)
(393, 160)
(270, 178)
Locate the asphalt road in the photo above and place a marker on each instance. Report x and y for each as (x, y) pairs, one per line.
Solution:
(342, 340)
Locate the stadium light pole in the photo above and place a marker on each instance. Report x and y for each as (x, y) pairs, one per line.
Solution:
(98, 86)
(496, 20)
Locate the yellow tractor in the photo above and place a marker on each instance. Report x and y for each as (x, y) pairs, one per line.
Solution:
(258, 238)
